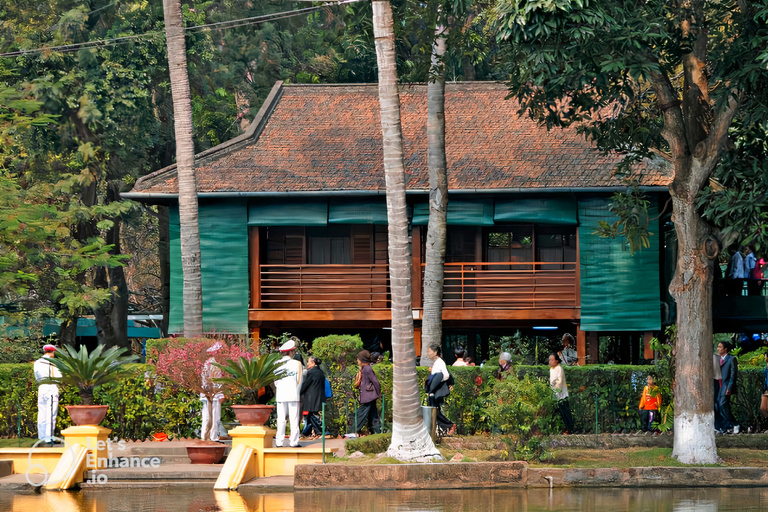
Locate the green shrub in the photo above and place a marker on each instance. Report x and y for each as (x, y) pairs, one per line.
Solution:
(373, 444)
(341, 349)
(141, 404)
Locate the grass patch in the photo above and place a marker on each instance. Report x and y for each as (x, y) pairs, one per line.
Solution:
(634, 458)
(19, 442)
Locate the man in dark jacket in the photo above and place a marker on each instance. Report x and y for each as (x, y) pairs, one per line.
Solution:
(729, 370)
(313, 396)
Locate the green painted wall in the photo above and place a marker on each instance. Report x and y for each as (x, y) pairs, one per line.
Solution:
(619, 290)
(224, 259)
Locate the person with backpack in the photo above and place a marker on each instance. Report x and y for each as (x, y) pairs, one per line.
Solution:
(313, 397)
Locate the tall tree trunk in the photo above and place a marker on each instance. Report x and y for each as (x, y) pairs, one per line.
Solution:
(185, 169)
(432, 324)
(410, 438)
(112, 316)
(691, 287)
(696, 135)
(68, 331)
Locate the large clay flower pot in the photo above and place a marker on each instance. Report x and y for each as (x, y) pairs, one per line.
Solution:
(252, 415)
(87, 414)
(205, 453)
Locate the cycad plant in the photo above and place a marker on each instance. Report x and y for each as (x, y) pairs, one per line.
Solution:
(89, 370)
(249, 376)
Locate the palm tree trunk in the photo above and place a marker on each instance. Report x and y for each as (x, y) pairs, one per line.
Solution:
(185, 168)
(432, 324)
(410, 439)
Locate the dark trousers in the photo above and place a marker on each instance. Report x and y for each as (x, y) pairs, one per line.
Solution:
(313, 424)
(564, 406)
(724, 405)
(444, 425)
(368, 415)
(718, 416)
(647, 417)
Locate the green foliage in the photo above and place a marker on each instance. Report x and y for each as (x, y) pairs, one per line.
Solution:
(373, 444)
(631, 210)
(338, 348)
(737, 200)
(249, 375)
(142, 403)
(88, 370)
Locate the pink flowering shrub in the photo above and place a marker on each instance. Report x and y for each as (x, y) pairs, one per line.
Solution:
(187, 363)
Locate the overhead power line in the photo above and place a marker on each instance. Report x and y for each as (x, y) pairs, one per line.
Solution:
(222, 25)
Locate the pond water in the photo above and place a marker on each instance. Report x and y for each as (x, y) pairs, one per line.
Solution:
(496, 500)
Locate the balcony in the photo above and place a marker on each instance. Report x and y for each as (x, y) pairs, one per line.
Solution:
(469, 285)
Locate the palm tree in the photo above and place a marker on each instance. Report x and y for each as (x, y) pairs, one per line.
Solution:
(410, 438)
(432, 323)
(185, 169)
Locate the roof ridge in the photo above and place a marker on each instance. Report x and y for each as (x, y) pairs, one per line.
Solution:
(250, 135)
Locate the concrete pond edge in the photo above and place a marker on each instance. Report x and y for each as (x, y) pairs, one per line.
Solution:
(494, 475)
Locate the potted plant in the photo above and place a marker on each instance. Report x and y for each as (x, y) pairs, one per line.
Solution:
(248, 375)
(86, 371)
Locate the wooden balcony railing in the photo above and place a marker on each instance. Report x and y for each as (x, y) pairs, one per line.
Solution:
(325, 286)
(510, 285)
(472, 285)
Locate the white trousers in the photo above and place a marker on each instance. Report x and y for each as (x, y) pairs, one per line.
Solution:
(290, 409)
(47, 409)
(217, 426)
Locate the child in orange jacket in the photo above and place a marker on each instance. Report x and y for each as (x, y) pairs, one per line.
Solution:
(650, 403)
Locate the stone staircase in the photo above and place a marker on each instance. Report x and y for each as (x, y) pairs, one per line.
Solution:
(173, 468)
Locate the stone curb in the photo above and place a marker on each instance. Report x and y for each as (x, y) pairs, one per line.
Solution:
(478, 475)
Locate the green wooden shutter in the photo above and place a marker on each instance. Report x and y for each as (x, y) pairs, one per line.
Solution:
(224, 266)
(288, 212)
(620, 291)
(560, 210)
(373, 211)
(460, 213)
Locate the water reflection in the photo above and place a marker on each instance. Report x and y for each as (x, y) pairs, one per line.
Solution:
(497, 500)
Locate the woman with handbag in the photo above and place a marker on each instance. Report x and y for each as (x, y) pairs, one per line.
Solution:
(370, 391)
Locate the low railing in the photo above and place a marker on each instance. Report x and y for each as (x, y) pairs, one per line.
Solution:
(324, 286)
(471, 285)
(510, 285)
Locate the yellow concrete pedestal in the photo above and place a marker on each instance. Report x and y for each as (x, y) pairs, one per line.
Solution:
(86, 448)
(246, 458)
(94, 438)
(257, 438)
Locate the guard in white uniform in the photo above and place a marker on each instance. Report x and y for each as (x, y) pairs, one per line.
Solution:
(47, 394)
(212, 372)
(287, 388)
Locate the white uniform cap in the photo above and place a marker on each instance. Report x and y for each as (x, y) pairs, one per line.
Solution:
(215, 347)
(288, 346)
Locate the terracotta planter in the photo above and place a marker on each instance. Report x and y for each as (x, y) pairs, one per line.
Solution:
(200, 453)
(87, 414)
(252, 415)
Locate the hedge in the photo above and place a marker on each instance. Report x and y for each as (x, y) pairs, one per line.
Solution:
(140, 406)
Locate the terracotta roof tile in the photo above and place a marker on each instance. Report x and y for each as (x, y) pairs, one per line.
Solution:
(326, 138)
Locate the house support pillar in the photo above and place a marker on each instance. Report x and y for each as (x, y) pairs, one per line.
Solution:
(594, 347)
(417, 339)
(581, 346)
(647, 350)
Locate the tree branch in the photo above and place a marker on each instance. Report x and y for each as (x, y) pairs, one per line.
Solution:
(709, 150)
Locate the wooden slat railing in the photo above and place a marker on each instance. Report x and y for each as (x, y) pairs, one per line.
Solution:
(510, 285)
(471, 285)
(325, 286)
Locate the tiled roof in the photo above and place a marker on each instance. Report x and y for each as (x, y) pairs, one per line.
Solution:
(328, 138)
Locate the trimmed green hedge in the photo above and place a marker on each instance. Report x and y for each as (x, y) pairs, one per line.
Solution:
(140, 406)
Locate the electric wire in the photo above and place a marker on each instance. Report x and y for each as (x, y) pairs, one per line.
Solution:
(222, 25)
